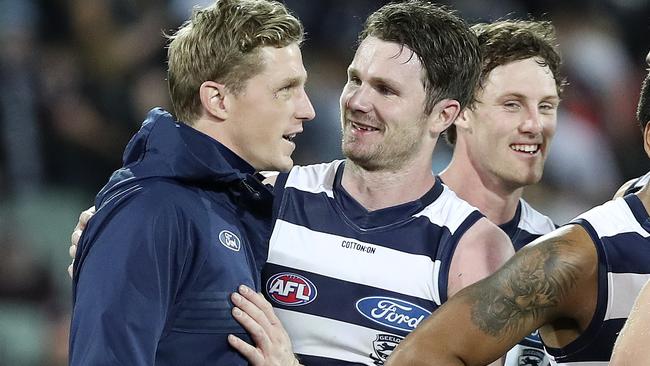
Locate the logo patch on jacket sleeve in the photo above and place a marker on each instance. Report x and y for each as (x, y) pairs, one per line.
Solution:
(392, 313)
(229, 240)
(290, 289)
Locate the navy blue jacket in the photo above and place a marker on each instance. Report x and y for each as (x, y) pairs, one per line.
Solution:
(177, 229)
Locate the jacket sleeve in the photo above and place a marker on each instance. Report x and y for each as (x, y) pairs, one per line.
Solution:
(129, 268)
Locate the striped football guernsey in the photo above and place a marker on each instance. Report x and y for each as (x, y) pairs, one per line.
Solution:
(349, 284)
(527, 225)
(619, 230)
(638, 184)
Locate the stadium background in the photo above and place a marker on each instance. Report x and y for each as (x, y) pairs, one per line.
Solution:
(77, 77)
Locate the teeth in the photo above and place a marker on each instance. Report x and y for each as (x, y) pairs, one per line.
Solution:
(531, 149)
(363, 128)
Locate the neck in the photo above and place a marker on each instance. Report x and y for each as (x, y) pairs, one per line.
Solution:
(488, 194)
(375, 190)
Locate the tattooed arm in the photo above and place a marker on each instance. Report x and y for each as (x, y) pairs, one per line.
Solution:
(551, 284)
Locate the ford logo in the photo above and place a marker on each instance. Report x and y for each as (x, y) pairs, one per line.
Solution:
(290, 289)
(392, 313)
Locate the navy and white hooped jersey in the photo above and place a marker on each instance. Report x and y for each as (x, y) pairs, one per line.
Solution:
(620, 232)
(527, 225)
(638, 184)
(349, 284)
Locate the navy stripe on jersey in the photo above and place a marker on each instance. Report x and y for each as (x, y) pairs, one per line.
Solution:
(308, 360)
(638, 210)
(301, 208)
(338, 299)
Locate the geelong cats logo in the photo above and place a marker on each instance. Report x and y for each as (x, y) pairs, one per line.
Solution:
(383, 346)
(290, 289)
(392, 313)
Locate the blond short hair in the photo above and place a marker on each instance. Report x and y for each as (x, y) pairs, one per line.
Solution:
(221, 43)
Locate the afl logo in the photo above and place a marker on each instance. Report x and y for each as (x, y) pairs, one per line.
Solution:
(229, 240)
(290, 289)
(392, 313)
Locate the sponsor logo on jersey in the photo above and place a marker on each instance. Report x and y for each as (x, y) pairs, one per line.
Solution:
(229, 240)
(383, 346)
(290, 289)
(531, 357)
(392, 313)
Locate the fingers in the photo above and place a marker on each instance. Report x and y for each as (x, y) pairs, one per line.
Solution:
(71, 268)
(252, 319)
(84, 217)
(249, 352)
(260, 303)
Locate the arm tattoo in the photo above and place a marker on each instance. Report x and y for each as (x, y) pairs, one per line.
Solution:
(536, 280)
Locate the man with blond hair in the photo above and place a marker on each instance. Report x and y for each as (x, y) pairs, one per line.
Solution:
(186, 220)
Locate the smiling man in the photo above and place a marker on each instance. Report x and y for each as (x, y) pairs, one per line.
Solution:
(364, 249)
(186, 220)
(502, 140)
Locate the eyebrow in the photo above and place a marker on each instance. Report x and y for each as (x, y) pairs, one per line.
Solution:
(549, 97)
(375, 79)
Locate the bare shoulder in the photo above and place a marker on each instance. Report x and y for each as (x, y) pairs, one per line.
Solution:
(481, 250)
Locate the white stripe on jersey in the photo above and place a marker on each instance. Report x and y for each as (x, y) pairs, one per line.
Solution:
(337, 261)
(328, 341)
(618, 220)
(533, 221)
(315, 178)
(623, 288)
(447, 211)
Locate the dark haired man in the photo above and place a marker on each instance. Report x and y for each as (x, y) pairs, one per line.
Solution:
(364, 249)
(576, 284)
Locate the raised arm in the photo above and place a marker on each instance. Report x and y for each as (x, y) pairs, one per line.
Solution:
(554, 278)
(632, 344)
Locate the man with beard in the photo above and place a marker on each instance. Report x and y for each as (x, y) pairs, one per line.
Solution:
(364, 249)
(576, 284)
(502, 140)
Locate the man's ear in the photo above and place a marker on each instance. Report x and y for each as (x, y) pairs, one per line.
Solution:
(444, 114)
(463, 119)
(213, 99)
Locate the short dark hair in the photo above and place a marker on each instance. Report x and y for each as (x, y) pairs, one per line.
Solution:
(221, 42)
(643, 110)
(444, 44)
(507, 41)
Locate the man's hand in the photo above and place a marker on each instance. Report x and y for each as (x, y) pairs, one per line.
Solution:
(272, 343)
(76, 234)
